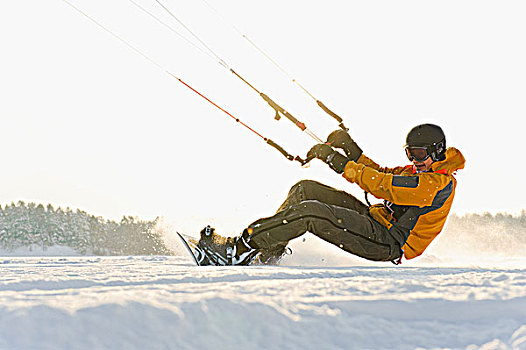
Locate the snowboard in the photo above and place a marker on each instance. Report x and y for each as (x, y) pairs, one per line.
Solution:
(201, 258)
(195, 252)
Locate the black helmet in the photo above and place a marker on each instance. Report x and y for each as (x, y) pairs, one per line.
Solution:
(426, 137)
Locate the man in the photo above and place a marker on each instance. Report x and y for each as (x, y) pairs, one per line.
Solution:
(417, 200)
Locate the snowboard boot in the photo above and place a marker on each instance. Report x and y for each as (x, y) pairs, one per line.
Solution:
(272, 256)
(222, 251)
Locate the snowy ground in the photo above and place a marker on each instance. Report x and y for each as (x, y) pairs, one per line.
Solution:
(75, 302)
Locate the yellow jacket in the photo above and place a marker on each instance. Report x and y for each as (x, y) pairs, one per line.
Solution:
(416, 204)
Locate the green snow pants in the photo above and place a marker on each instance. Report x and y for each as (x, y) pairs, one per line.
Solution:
(334, 216)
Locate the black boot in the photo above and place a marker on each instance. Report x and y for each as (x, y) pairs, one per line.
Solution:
(272, 256)
(222, 251)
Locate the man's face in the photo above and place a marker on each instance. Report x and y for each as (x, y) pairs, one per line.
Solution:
(423, 166)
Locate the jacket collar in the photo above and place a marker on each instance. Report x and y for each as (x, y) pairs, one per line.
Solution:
(453, 162)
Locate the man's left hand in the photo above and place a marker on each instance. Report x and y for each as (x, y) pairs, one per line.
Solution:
(335, 160)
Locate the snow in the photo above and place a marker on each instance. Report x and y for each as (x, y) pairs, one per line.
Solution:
(159, 302)
(55, 250)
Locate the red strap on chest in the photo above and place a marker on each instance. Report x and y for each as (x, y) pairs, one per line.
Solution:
(441, 171)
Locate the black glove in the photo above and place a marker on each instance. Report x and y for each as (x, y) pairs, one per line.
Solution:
(335, 160)
(341, 139)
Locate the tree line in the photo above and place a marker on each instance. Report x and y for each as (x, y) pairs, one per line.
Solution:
(500, 233)
(35, 225)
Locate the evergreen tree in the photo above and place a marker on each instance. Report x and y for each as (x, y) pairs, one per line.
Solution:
(30, 225)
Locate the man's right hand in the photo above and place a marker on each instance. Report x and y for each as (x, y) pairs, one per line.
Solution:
(341, 139)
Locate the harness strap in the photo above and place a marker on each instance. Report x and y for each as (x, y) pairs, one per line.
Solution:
(398, 261)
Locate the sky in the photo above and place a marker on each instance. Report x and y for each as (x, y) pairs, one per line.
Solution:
(88, 123)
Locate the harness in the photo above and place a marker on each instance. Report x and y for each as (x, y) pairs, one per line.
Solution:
(398, 211)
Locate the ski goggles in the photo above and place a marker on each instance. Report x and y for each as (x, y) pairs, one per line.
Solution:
(417, 153)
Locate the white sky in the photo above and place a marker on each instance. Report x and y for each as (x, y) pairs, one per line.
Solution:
(88, 123)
